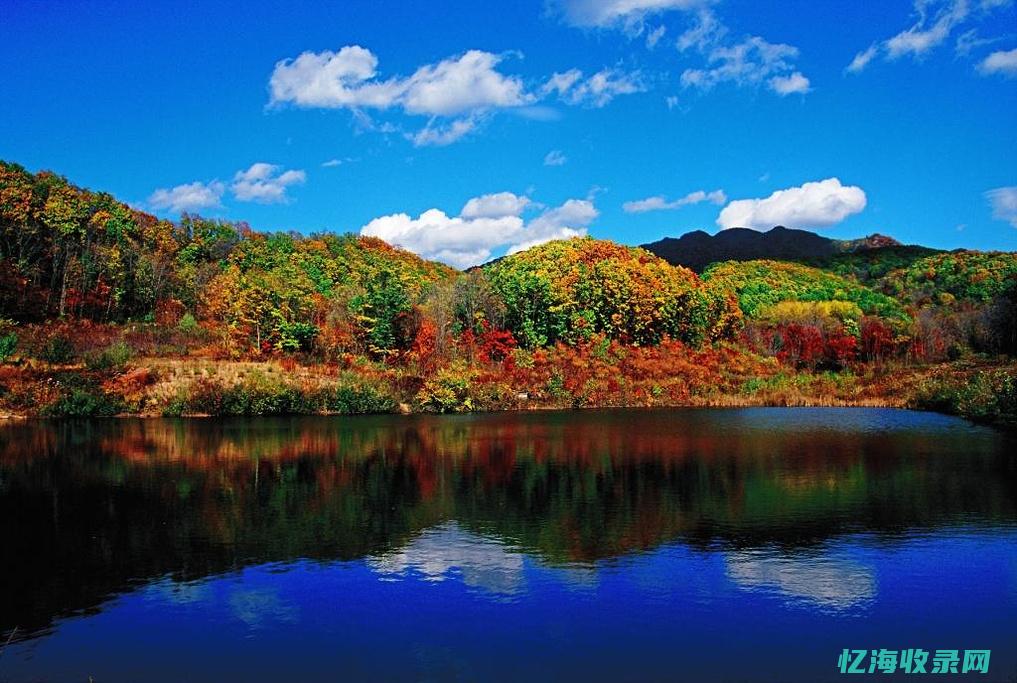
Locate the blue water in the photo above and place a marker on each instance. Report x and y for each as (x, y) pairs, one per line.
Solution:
(728, 545)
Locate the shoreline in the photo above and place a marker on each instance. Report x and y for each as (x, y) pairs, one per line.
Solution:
(981, 389)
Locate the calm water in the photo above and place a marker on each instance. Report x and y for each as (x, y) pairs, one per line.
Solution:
(693, 545)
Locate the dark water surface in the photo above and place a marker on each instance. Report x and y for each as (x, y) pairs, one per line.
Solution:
(693, 545)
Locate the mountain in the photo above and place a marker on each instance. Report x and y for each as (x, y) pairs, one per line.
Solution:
(698, 249)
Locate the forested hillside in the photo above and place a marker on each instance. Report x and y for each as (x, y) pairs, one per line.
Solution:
(106, 309)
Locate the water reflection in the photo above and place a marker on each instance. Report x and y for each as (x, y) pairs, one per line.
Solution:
(89, 510)
(825, 580)
(446, 551)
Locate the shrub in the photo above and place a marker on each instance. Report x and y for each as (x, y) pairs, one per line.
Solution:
(8, 343)
(985, 396)
(113, 357)
(448, 391)
(260, 395)
(80, 397)
(58, 350)
(187, 324)
(83, 403)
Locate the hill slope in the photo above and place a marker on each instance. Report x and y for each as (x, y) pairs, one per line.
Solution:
(698, 249)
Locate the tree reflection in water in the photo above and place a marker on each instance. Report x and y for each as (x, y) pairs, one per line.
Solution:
(91, 509)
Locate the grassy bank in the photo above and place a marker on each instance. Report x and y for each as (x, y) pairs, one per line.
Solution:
(979, 389)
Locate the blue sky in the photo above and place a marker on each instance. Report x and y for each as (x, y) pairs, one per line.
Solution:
(624, 119)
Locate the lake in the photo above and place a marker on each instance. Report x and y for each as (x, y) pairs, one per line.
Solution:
(614, 545)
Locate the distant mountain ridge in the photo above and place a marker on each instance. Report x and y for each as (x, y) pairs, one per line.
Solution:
(698, 249)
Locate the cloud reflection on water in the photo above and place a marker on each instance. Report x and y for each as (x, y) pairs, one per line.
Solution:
(443, 551)
(828, 581)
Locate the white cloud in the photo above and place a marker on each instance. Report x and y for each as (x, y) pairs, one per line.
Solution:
(935, 21)
(435, 134)
(1003, 201)
(1002, 62)
(706, 32)
(485, 224)
(332, 163)
(555, 158)
(496, 205)
(654, 36)
(792, 83)
(813, 205)
(671, 101)
(561, 83)
(597, 90)
(347, 79)
(456, 93)
(925, 34)
(862, 59)
(660, 203)
(751, 62)
(970, 40)
(466, 83)
(568, 220)
(264, 184)
(628, 14)
(333, 79)
(188, 197)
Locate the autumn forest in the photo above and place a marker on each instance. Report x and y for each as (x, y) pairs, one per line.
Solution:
(107, 310)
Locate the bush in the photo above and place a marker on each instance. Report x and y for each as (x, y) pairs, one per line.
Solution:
(188, 324)
(81, 397)
(113, 357)
(259, 395)
(8, 343)
(83, 403)
(983, 397)
(448, 391)
(58, 350)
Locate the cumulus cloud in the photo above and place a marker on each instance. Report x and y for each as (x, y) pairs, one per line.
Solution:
(496, 205)
(595, 91)
(660, 203)
(628, 14)
(1003, 201)
(264, 183)
(792, 83)
(462, 84)
(1000, 62)
(562, 222)
(455, 93)
(555, 158)
(348, 79)
(935, 21)
(333, 79)
(813, 205)
(485, 224)
(187, 197)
